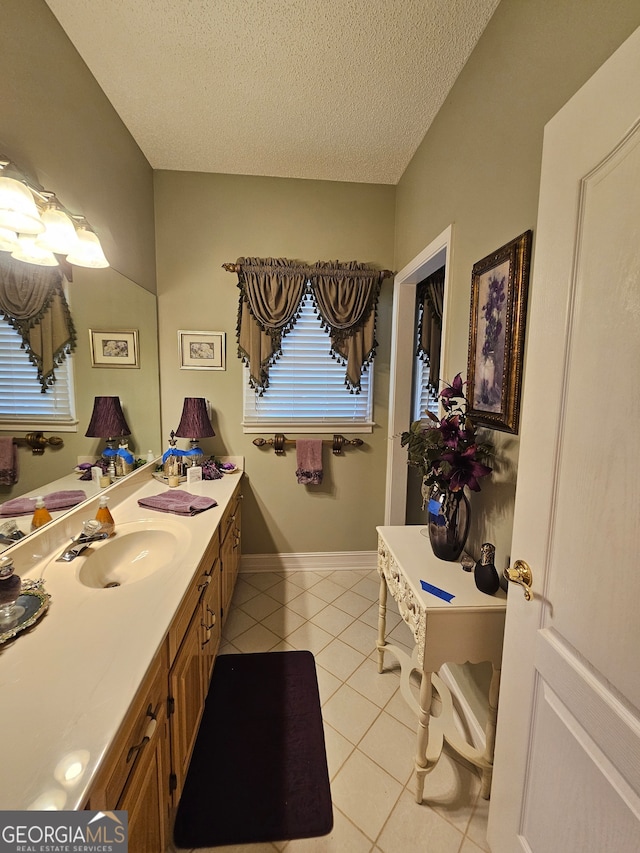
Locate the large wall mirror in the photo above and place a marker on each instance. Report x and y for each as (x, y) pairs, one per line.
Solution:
(101, 300)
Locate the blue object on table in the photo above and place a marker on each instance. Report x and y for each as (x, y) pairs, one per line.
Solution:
(435, 590)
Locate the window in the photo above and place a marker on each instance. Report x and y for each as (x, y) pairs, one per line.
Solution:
(424, 397)
(306, 386)
(22, 402)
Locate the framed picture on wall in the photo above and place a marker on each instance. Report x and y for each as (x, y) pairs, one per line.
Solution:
(201, 350)
(499, 286)
(114, 347)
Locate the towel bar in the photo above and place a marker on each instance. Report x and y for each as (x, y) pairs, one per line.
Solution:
(37, 442)
(279, 440)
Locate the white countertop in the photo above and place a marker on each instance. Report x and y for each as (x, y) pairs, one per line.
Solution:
(66, 684)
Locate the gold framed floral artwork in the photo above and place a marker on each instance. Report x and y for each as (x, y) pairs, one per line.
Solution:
(201, 350)
(499, 288)
(114, 347)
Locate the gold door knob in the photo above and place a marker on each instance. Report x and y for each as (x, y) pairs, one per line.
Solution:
(520, 573)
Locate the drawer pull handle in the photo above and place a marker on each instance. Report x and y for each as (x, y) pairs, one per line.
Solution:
(148, 734)
(205, 583)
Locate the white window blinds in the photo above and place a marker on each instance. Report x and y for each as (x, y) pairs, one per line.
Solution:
(306, 386)
(21, 400)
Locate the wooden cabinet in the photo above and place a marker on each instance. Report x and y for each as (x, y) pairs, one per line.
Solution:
(230, 549)
(136, 773)
(147, 765)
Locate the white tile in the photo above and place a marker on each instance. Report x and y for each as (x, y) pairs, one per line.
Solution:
(379, 687)
(343, 838)
(340, 659)
(327, 683)
(347, 578)
(414, 827)
(307, 605)
(262, 580)
(350, 713)
(237, 623)
(365, 793)
(391, 745)
(468, 846)
(451, 790)
(265, 847)
(309, 636)
(260, 606)
(332, 619)
(283, 621)
(285, 592)
(477, 829)
(243, 592)
(338, 749)
(304, 579)
(327, 590)
(352, 603)
(398, 708)
(368, 588)
(361, 636)
(256, 639)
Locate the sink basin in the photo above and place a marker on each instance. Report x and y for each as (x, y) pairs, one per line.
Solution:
(137, 551)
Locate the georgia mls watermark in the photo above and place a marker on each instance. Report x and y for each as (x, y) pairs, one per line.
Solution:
(63, 832)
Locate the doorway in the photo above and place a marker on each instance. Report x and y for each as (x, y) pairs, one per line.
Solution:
(433, 257)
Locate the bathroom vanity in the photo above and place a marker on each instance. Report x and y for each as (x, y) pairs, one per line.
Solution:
(102, 698)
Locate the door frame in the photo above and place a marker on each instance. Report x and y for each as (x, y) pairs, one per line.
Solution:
(431, 258)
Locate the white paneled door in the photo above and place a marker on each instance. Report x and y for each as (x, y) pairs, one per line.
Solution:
(567, 763)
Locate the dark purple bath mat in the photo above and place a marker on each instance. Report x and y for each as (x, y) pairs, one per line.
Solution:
(259, 768)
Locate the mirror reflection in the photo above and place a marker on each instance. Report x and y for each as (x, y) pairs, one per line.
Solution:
(102, 301)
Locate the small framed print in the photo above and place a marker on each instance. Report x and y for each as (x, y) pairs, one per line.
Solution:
(114, 347)
(201, 350)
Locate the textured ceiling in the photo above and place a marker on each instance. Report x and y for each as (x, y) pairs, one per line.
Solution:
(340, 90)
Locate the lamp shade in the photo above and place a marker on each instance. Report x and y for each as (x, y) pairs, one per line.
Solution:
(107, 419)
(195, 422)
(28, 250)
(60, 234)
(8, 240)
(18, 211)
(87, 251)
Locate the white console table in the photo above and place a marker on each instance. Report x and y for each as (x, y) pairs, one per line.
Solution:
(467, 628)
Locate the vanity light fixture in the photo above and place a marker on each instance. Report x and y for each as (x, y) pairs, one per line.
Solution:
(195, 423)
(35, 226)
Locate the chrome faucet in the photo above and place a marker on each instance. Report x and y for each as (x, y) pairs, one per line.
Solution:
(91, 532)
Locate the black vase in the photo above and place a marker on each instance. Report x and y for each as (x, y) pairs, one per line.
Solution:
(448, 518)
(484, 573)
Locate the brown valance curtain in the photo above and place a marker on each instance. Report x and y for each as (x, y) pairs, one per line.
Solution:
(32, 301)
(345, 296)
(430, 297)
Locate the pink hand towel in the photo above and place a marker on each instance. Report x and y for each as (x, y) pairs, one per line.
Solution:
(8, 462)
(309, 457)
(178, 502)
(54, 501)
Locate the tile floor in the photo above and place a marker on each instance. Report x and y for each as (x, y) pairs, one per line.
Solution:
(369, 730)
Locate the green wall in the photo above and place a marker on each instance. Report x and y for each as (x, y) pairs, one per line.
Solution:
(479, 168)
(205, 220)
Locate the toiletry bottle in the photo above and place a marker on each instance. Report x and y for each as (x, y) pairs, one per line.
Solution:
(41, 514)
(124, 460)
(103, 515)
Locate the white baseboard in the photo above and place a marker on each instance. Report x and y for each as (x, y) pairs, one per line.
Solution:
(320, 561)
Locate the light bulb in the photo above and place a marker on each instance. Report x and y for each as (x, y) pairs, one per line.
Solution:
(60, 234)
(28, 251)
(88, 251)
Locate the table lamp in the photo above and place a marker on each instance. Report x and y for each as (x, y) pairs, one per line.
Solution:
(194, 424)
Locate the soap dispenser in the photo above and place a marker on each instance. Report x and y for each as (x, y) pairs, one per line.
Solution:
(41, 514)
(103, 515)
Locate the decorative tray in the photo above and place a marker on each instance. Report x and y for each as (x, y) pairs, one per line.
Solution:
(33, 602)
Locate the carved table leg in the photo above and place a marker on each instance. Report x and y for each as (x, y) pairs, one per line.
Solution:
(382, 621)
(490, 733)
(426, 694)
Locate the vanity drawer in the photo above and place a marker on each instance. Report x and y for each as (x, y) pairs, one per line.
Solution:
(230, 515)
(130, 742)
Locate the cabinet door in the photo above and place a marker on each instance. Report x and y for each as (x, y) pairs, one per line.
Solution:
(230, 558)
(146, 798)
(210, 624)
(187, 693)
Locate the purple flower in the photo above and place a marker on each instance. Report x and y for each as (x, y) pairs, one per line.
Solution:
(450, 431)
(465, 470)
(452, 392)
